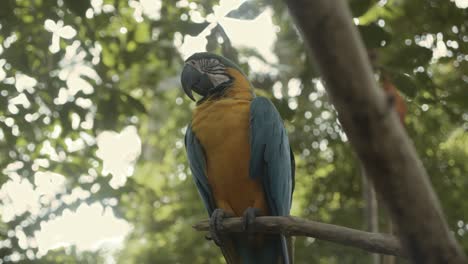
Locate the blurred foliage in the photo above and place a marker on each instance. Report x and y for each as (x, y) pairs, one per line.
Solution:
(127, 63)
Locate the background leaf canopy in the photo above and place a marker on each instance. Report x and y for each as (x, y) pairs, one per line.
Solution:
(92, 120)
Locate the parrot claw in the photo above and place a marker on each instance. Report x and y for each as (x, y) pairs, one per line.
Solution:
(216, 224)
(249, 218)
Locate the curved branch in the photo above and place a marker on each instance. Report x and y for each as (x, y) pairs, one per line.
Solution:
(294, 226)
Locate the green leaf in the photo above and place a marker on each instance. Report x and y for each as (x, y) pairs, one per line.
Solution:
(16, 56)
(142, 33)
(108, 54)
(135, 103)
(405, 83)
(282, 106)
(64, 115)
(193, 29)
(373, 35)
(423, 100)
(248, 10)
(459, 98)
(7, 9)
(78, 7)
(131, 46)
(360, 7)
(414, 56)
(107, 112)
(426, 82)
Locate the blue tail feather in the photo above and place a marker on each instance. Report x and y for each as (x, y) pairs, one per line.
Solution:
(266, 250)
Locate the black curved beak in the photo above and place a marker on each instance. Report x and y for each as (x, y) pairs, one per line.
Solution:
(190, 77)
(194, 80)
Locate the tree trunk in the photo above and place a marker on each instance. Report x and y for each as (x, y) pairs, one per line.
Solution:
(375, 132)
(371, 210)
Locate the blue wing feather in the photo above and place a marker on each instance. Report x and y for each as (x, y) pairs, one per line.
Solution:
(271, 156)
(197, 162)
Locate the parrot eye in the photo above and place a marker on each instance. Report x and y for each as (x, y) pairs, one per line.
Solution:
(191, 62)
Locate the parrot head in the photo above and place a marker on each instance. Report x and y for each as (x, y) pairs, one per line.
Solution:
(207, 74)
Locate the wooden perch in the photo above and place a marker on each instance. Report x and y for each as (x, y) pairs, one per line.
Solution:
(293, 226)
(374, 131)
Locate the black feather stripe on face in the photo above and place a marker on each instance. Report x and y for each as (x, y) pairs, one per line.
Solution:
(211, 56)
(211, 66)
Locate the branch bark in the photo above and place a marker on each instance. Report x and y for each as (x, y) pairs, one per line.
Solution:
(374, 131)
(293, 226)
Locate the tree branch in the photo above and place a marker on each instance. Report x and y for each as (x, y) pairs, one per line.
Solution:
(374, 131)
(293, 226)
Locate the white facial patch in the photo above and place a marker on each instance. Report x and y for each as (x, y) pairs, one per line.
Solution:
(217, 79)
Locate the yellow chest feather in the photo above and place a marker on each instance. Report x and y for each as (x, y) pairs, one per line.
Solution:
(223, 128)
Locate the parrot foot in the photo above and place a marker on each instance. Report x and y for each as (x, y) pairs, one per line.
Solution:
(216, 224)
(249, 218)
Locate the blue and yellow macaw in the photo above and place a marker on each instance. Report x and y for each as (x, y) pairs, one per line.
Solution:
(239, 155)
